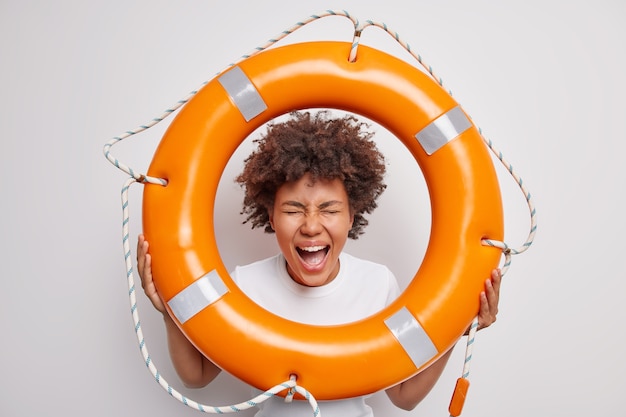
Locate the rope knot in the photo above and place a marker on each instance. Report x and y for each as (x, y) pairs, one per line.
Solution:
(292, 390)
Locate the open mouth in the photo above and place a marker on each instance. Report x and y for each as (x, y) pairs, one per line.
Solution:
(313, 255)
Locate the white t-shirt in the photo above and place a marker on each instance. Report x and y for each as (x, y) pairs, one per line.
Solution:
(360, 289)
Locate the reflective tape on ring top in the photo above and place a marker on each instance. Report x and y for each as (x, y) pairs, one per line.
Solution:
(243, 93)
(443, 129)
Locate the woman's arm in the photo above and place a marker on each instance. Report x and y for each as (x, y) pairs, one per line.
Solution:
(409, 393)
(194, 370)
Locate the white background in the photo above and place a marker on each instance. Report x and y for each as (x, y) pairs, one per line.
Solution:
(543, 79)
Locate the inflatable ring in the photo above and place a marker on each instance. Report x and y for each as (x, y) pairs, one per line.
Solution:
(353, 359)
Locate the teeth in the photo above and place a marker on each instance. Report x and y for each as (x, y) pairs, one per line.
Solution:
(312, 248)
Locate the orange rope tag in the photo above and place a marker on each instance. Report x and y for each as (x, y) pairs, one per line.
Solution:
(458, 397)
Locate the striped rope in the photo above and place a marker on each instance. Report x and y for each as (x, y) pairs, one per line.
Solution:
(290, 385)
(506, 249)
(140, 177)
(470, 346)
(143, 178)
(353, 53)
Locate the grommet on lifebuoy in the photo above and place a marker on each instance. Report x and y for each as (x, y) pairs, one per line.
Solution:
(259, 347)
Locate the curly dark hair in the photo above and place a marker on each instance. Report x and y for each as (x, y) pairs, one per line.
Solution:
(324, 147)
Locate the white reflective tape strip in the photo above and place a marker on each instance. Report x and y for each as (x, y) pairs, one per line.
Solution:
(411, 337)
(198, 295)
(443, 129)
(243, 93)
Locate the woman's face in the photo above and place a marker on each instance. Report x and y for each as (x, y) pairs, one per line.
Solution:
(312, 221)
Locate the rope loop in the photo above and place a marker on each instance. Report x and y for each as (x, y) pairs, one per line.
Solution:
(507, 251)
(290, 385)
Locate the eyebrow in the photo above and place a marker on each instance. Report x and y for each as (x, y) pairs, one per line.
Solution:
(322, 206)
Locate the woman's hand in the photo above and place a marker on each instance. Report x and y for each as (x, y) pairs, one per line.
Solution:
(144, 267)
(489, 300)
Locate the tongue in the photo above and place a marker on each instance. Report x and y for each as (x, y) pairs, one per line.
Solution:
(313, 258)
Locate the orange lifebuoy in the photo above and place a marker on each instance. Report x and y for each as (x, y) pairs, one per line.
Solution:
(341, 361)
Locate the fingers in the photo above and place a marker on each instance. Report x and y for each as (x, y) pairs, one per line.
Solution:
(484, 316)
(489, 300)
(496, 280)
(144, 267)
(142, 250)
(144, 264)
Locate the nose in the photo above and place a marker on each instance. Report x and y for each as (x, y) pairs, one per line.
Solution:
(311, 225)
